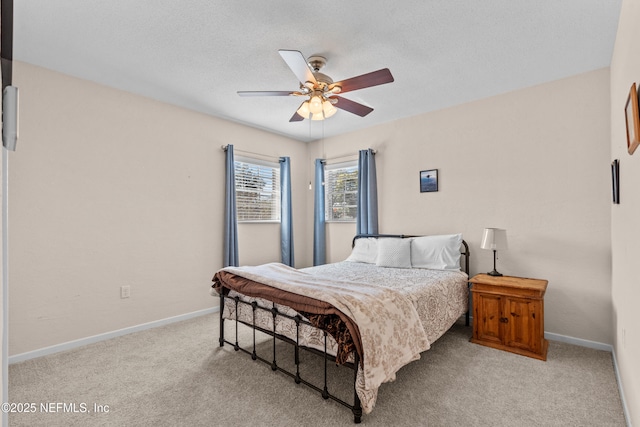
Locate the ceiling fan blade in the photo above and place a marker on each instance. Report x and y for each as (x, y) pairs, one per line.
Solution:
(265, 93)
(296, 117)
(373, 78)
(298, 64)
(352, 106)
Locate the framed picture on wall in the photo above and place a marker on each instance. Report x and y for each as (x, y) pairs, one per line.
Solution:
(615, 181)
(633, 120)
(429, 180)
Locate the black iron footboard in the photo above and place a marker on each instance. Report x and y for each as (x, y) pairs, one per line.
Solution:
(356, 408)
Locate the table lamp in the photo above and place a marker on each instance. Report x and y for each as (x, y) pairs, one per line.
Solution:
(494, 239)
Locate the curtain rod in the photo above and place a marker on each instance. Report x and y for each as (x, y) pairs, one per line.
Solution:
(345, 156)
(224, 148)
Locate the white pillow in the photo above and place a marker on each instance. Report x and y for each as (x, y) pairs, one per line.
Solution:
(365, 250)
(436, 252)
(394, 252)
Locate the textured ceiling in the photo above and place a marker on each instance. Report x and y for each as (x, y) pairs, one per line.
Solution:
(198, 53)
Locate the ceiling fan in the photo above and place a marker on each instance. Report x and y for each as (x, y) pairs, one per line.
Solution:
(321, 91)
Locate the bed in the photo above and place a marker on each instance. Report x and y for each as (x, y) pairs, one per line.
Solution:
(374, 312)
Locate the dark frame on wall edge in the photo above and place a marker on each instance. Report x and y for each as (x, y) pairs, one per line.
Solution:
(615, 181)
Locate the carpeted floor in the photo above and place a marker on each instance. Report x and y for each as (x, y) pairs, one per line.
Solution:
(177, 375)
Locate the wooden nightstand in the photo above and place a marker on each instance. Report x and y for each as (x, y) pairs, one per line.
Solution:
(508, 314)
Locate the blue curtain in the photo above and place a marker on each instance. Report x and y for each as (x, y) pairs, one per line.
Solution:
(230, 251)
(367, 219)
(286, 218)
(319, 238)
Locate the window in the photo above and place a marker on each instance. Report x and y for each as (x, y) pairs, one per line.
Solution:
(257, 190)
(341, 191)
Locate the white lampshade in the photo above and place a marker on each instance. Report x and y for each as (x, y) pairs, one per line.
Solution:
(495, 239)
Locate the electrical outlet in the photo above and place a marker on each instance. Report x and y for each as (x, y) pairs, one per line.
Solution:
(125, 291)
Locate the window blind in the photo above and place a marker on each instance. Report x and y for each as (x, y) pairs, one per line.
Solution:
(257, 190)
(341, 191)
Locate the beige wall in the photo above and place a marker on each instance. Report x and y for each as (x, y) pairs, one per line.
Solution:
(111, 189)
(625, 224)
(535, 162)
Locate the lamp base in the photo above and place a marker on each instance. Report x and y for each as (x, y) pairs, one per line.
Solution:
(494, 272)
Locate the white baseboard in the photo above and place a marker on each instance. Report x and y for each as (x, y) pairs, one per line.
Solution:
(578, 341)
(625, 409)
(107, 335)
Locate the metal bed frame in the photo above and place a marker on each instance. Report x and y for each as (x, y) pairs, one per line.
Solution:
(356, 407)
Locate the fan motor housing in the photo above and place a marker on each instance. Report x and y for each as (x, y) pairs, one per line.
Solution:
(316, 62)
(323, 78)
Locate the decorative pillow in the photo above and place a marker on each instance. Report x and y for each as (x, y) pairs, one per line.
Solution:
(394, 252)
(365, 250)
(436, 252)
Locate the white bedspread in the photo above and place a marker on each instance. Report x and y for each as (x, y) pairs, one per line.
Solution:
(390, 330)
(439, 296)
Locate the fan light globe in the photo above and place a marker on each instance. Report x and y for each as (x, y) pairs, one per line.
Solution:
(317, 116)
(328, 109)
(303, 111)
(315, 105)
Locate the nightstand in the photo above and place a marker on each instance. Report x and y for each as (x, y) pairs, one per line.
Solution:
(508, 314)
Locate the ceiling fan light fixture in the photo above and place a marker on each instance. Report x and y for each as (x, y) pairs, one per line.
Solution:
(303, 111)
(321, 90)
(328, 109)
(315, 104)
(316, 109)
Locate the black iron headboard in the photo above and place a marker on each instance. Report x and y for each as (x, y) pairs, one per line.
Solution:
(464, 252)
